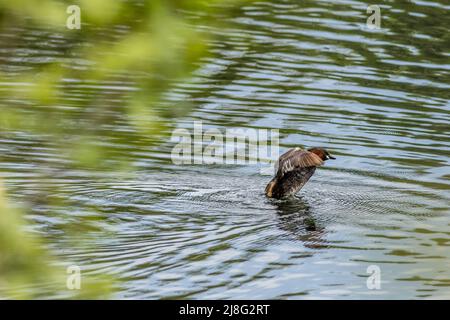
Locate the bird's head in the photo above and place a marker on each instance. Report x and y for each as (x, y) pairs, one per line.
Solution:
(322, 153)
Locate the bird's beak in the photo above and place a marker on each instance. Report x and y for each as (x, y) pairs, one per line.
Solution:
(331, 157)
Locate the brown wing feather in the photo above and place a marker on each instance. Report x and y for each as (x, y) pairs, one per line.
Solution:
(270, 186)
(297, 158)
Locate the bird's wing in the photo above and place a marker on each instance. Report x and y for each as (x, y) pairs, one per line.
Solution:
(295, 159)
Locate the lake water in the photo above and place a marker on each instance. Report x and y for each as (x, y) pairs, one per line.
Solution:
(377, 99)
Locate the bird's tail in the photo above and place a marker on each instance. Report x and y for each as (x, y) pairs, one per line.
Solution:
(270, 186)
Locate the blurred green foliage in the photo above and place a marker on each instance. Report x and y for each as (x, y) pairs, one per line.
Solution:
(28, 270)
(146, 45)
(157, 47)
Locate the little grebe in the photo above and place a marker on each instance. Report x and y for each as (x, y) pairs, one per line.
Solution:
(293, 170)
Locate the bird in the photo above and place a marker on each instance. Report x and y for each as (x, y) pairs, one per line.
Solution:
(293, 169)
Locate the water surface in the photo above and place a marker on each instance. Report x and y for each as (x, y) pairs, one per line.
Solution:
(378, 99)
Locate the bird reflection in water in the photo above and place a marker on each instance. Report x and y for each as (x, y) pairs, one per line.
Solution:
(296, 217)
